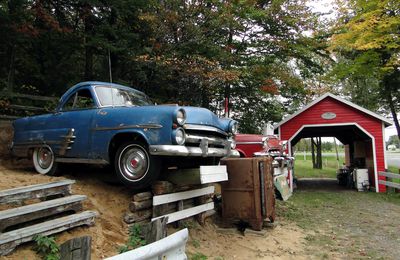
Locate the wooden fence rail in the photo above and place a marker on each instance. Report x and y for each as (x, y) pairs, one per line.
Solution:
(391, 176)
(17, 105)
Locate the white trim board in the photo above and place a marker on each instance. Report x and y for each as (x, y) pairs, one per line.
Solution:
(340, 124)
(351, 104)
(178, 215)
(173, 197)
(213, 173)
(384, 145)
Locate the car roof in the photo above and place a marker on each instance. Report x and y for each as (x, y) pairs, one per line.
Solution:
(95, 83)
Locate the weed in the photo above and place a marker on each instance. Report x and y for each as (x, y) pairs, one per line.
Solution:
(196, 243)
(135, 239)
(47, 247)
(198, 256)
(123, 249)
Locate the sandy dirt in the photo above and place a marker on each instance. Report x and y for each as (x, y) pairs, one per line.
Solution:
(110, 232)
(109, 200)
(312, 224)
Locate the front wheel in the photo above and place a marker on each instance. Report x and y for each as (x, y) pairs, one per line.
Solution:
(44, 160)
(135, 167)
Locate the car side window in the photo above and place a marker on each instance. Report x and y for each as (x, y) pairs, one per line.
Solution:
(82, 99)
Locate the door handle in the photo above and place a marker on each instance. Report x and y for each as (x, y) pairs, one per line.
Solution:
(103, 113)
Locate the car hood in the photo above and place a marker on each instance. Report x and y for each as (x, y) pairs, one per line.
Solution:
(165, 115)
(202, 116)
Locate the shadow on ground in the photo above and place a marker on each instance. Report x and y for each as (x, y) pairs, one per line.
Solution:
(319, 184)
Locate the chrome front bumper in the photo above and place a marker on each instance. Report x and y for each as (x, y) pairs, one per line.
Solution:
(204, 151)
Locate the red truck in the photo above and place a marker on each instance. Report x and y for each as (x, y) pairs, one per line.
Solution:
(250, 145)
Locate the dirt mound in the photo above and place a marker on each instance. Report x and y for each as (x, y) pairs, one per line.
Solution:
(110, 232)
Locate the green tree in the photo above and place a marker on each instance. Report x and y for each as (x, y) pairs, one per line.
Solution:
(255, 54)
(368, 47)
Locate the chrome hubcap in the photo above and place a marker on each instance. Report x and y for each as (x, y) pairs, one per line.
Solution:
(134, 163)
(45, 157)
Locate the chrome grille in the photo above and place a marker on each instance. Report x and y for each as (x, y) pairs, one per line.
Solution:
(214, 137)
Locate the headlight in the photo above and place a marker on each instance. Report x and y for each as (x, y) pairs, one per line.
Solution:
(179, 136)
(180, 117)
(233, 127)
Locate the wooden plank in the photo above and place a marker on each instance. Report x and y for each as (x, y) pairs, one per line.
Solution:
(28, 108)
(201, 218)
(172, 217)
(390, 175)
(33, 97)
(139, 205)
(27, 213)
(154, 230)
(9, 240)
(184, 176)
(76, 249)
(132, 217)
(36, 191)
(167, 208)
(212, 174)
(7, 117)
(167, 198)
(390, 184)
(162, 187)
(142, 196)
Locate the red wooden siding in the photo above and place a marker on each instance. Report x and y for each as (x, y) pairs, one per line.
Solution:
(344, 114)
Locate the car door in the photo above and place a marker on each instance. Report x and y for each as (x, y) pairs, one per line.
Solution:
(73, 122)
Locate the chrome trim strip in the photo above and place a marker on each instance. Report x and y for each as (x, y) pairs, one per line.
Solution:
(78, 160)
(36, 143)
(152, 126)
(211, 140)
(68, 141)
(179, 150)
(249, 143)
(204, 128)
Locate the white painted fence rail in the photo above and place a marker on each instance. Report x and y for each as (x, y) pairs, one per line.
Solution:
(391, 175)
(171, 247)
(179, 197)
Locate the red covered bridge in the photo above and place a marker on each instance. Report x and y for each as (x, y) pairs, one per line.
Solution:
(360, 130)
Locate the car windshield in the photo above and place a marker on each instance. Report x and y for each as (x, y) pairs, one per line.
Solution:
(110, 96)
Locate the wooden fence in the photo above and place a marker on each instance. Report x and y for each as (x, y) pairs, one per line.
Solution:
(391, 176)
(15, 105)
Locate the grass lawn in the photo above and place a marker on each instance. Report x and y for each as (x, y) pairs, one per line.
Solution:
(346, 224)
(303, 168)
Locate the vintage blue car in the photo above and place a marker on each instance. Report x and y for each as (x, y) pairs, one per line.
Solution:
(106, 123)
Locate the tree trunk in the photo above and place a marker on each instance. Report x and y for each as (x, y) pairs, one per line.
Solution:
(89, 50)
(227, 85)
(11, 71)
(313, 153)
(394, 114)
(319, 153)
(88, 63)
(316, 151)
(337, 153)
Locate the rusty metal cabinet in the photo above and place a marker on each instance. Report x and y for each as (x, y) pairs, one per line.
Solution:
(249, 194)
